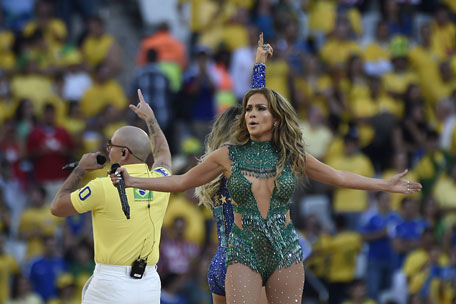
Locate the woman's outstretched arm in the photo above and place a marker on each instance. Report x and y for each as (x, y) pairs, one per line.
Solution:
(201, 174)
(328, 175)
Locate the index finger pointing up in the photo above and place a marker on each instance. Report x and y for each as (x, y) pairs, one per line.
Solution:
(260, 40)
(141, 98)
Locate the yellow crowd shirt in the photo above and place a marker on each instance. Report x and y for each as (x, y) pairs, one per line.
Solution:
(118, 240)
(95, 49)
(8, 267)
(102, 94)
(343, 249)
(350, 200)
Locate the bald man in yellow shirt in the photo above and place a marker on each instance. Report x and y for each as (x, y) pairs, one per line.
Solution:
(126, 249)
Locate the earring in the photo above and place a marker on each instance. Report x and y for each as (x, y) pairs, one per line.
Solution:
(276, 123)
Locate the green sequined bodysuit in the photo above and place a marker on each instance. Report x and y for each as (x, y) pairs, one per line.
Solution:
(263, 244)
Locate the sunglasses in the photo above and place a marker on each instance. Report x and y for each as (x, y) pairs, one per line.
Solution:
(109, 146)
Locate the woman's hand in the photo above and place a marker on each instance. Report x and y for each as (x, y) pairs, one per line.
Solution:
(121, 173)
(263, 51)
(400, 185)
(143, 110)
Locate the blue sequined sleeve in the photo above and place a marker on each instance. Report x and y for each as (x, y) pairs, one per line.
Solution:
(259, 76)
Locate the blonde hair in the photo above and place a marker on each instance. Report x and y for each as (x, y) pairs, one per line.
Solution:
(219, 136)
(287, 136)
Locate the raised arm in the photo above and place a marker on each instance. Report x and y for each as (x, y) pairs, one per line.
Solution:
(259, 69)
(160, 148)
(328, 175)
(209, 169)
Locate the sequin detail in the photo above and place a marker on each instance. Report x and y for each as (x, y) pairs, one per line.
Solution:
(259, 76)
(263, 244)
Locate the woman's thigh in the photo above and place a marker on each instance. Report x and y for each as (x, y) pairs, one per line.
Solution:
(285, 285)
(242, 284)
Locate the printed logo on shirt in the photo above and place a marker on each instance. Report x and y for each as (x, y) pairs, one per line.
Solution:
(140, 194)
(161, 171)
(84, 193)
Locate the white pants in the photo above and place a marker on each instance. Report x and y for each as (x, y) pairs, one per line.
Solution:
(112, 284)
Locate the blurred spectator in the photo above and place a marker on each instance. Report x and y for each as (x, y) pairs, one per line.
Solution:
(36, 222)
(424, 61)
(343, 249)
(67, 8)
(25, 119)
(5, 215)
(104, 91)
(377, 233)
(176, 253)
(293, 47)
(8, 268)
(446, 118)
(242, 60)
(397, 81)
(408, 231)
(434, 163)
(339, 47)
(399, 21)
(45, 269)
(100, 48)
(224, 96)
(350, 202)
(185, 206)
(168, 48)
(53, 29)
(199, 91)
(32, 85)
(442, 33)
(155, 88)
(316, 133)
(66, 290)
(433, 216)
(22, 292)
(49, 148)
(12, 193)
(423, 263)
(358, 293)
(81, 263)
(76, 81)
(264, 19)
(376, 54)
(13, 149)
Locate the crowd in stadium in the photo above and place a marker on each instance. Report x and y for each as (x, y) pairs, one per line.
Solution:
(373, 82)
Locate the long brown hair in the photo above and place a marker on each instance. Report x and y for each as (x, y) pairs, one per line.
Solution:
(220, 135)
(287, 136)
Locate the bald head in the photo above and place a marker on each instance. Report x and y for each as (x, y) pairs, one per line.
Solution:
(135, 139)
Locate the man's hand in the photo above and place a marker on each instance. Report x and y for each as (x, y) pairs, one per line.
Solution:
(264, 51)
(143, 110)
(89, 162)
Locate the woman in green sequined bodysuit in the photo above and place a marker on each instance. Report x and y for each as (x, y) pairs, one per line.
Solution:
(261, 170)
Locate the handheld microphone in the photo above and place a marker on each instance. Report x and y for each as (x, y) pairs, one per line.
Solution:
(68, 167)
(121, 189)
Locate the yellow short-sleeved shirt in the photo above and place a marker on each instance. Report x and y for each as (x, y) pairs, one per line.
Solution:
(119, 241)
(102, 94)
(336, 52)
(375, 52)
(398, 82)
(343, 249)
(8, 267)
(95, 50)
(442, 39)
(350, 200)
